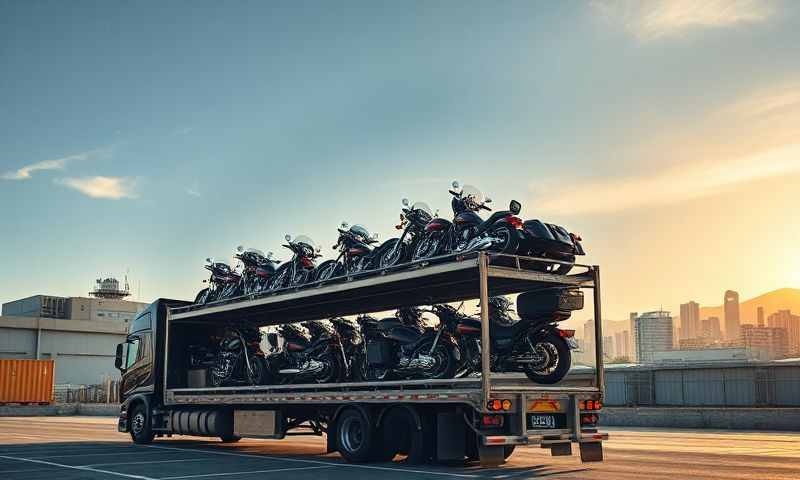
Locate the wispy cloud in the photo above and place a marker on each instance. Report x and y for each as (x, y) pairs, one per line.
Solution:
(655, 19)
(25, 172)
(193, 190)
(668, 186)
(113, 188)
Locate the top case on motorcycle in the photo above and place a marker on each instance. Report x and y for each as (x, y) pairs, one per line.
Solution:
(549, 302)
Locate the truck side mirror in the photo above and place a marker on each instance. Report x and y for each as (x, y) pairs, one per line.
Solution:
(515, 207)
(118, 359)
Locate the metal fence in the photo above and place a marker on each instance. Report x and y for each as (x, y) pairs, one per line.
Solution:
(104, 393)
(718, 386)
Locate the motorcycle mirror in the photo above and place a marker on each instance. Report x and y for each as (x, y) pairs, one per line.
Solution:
(345, 225)
(288, 237)
(240, 249)
(515, 207)
(488, 200)
(405, 202)
(455, 184)
(209, 260)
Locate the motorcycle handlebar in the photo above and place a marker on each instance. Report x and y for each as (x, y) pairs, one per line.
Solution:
(454, 193)
(485, 207)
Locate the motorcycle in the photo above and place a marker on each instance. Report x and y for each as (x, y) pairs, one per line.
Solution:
(413, 221)
(236, 359)
(468, 231)
(547, 240)
(317, 358)
(401, 347)
(300, 268)
(355, 253)
(347, 338)
(533, 344)
(257, 269)
(221, 284)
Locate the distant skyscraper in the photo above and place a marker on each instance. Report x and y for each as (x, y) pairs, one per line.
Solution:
(731, 315)
(608, 347)
(791, 323)
(772, 342)
(652, 332)
(690, 320)
(622, 344)
(710, 328)
(760, 315)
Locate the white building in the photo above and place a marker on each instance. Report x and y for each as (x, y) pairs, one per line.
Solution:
(652, 332)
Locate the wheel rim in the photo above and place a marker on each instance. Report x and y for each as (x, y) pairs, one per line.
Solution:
(352, 434)
(441, 359)
(138, 423)
(505, 236)
(549, 353)
(391, 256)
(427, 246)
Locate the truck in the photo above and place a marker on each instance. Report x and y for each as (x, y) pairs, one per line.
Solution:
(481, 417)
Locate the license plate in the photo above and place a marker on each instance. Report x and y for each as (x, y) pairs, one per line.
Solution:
(538, 420)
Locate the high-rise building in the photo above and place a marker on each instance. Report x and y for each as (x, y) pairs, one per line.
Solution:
(622, 343)
(732, 323)
(774, 342)
(690, 320)
(652, 332)
(760, 316)
(710, 328)
(791, 323)
(588, 339)
(608, 347)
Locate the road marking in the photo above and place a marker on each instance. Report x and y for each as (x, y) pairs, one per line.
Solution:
(148, 463)
(346, 465)
(245, 473)
(73, 467)
(86, 455)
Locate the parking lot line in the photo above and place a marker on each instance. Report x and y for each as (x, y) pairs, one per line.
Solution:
(72, 467)
(148, 463)
(273, 470)
(85, 455)
(332, 464)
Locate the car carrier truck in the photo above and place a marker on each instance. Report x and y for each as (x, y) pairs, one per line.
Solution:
(481, 417)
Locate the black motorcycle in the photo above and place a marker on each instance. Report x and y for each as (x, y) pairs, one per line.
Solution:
(299, 270)
(547, 240)
(468, 231)
(257, 270)
(355, 253)
(402, 348)
(304, 358)
(413, 221)
(351, 341)
(534, 344)
(222, 283)
(235, 358)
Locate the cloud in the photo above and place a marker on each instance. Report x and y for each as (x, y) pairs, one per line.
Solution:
(102, 187)
(25, 172)
(679, 183)
(193, 191)
(655, 19)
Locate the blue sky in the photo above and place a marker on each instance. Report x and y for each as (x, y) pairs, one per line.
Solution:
(149, 135)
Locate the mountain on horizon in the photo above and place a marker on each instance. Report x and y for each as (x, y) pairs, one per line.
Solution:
(781, 299)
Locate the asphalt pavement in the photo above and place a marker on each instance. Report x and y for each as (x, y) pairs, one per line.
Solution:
(89, 448)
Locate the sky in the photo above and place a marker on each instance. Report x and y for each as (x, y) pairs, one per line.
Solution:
(142, 137)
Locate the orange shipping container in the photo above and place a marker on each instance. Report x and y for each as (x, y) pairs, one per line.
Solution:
(26, 381)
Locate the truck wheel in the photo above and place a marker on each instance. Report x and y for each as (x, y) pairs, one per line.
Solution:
(230, 438)
(354, 436)
(141, 427)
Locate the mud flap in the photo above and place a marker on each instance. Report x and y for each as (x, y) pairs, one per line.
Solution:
(560, 449)
(491, 455)
(591, 452)
(450, 436)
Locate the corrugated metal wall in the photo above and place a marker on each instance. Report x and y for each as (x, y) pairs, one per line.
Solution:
(756, 386)
(26, 381)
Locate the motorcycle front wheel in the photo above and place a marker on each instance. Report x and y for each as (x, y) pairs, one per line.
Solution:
(328, 269)
(392, 253)
(334, 369)
(556, 360)
(201, 297)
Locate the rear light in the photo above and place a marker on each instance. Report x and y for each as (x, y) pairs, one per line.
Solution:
(590, 405)
(492, 421)
(589, 419)
(516, 222)
(575, 237)
(566, 333)
(499, 405)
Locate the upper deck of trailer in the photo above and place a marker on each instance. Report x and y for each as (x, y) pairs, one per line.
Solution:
(443, 279)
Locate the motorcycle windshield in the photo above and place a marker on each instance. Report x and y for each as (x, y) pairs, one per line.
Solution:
(306, 242)
(471, 192)
(360, 231)
(256, 251)
(422, 206)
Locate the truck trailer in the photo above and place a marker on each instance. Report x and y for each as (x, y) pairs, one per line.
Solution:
(480, 417)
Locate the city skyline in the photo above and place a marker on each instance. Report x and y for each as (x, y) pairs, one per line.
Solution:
(640, 131)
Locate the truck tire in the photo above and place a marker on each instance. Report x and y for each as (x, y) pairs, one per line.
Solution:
(141, 425)
(355, 436)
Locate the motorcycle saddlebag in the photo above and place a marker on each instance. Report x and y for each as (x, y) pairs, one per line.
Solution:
(546, 302)
(379, 353)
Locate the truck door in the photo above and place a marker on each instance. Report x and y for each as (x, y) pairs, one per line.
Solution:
(138, 360)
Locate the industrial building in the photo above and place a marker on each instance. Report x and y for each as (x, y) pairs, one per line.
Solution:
(79, 333)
